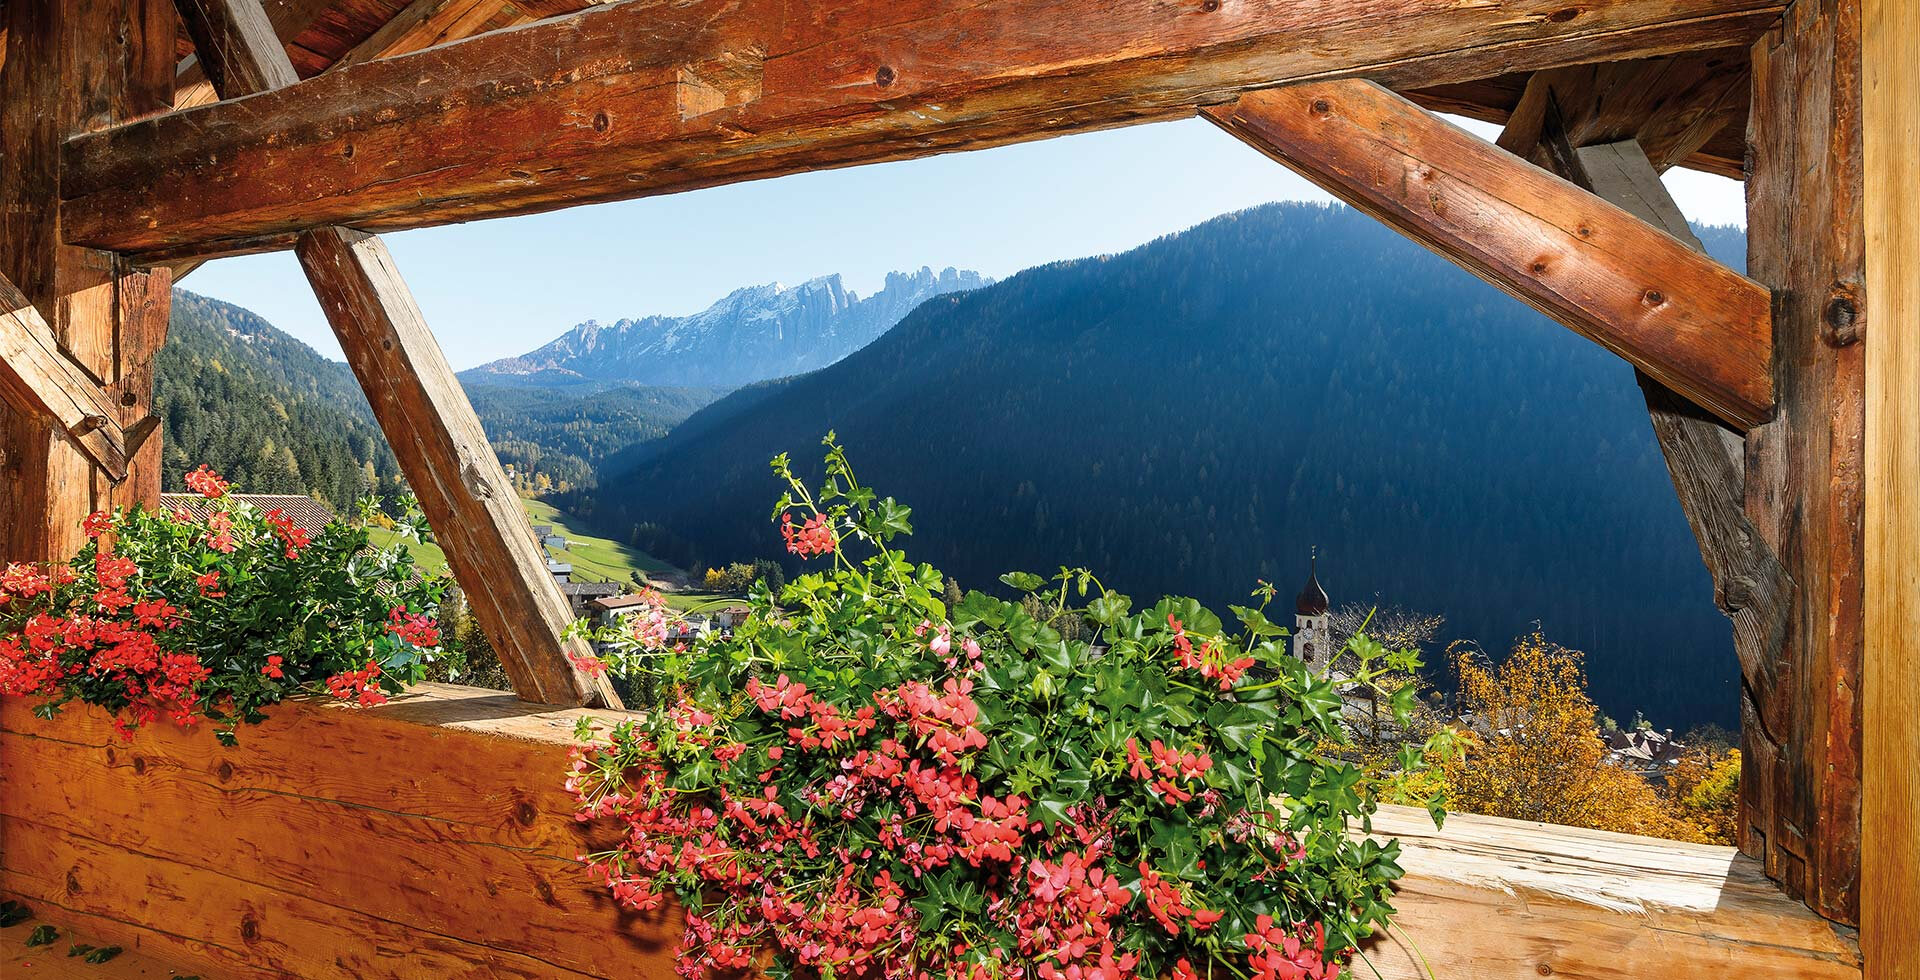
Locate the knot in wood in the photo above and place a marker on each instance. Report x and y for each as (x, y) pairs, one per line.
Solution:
(1564, 14)
(1653, 297)
(1322, 107)
(1841, 321)
(884, 76)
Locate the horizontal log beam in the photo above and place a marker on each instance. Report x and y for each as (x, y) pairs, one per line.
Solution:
(1687, 321)
(647, 97)
(35, 378)
(357, 841)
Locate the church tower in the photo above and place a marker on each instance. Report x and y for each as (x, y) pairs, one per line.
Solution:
(1312, 637)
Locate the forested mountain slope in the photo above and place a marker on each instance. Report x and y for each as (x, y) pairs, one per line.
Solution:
(1193, 415)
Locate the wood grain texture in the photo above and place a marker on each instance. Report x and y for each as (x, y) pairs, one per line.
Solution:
(349, 835)
(289, 19)
(1805, 471)
(449, 464)
(363, 844)
(73, 67)
(223, 32)
(1670, 106)
(1682, 318)
(1705, 460)
(586, 107)
(1890, 672)
(36, 379)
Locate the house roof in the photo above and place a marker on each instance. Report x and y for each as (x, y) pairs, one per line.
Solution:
(306, 513)
(611, 603)
(590, 589)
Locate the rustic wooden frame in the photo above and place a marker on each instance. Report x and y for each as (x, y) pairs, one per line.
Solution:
(1810, 555)
(437, 825)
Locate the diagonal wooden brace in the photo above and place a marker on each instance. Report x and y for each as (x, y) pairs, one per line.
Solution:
(1686, 320)
(419, 404)
(36, 378)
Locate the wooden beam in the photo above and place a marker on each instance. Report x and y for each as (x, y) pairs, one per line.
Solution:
(1682, 318)
(1493, 100)
(1890, 672)
(289, 19)
(1805, 469)
(1708, 466)
(642, 97)
(452, 469)
(223, 32)
(1559, 115)
(1670, 107)
(38, 380)
(421, 407)
(74, 67)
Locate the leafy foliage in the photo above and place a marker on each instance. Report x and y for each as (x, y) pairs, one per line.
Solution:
(164, 614)
(877, 784)
(1534, 752)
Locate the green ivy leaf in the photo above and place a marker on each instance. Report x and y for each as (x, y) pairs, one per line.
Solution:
(43, 935)
(103, 954)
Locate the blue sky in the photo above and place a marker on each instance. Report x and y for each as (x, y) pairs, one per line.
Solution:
(497, 288)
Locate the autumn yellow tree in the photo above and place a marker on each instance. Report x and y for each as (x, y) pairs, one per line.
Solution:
(1534, 752)
(1705, 786)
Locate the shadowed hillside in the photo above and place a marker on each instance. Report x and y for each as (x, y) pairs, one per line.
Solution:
(1194, 414)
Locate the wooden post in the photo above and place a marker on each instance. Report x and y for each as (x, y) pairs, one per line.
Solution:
(1890, 723)
(72, 68)
(419, 403)
(1806, 469)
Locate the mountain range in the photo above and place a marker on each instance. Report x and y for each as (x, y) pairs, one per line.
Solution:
(1196, 414)
(754, 333)
(1188, 417)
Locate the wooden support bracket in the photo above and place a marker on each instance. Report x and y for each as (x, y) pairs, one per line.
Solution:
(39, 380)
(1684, 319)
(420, 406)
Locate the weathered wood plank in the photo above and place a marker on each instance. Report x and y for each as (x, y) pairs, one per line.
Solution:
(449, 464)
(289, 18)
(70, 68)
(447, 771)
(1708, 467)
(1890, 795)
(38, 380)
(224, 32)
(1671, 106)
(425, 414)
(1805, 471)
(646, 97)
(1682, 318)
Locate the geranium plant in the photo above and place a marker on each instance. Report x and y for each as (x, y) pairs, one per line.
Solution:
(859, 781)
(168, 614)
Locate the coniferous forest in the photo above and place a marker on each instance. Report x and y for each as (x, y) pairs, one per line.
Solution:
(1198, 413)
(264, 409)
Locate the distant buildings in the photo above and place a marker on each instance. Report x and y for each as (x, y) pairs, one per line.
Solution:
(1312, 635)
(1643, 750)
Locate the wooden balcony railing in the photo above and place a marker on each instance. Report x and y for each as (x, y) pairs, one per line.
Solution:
(430, 837)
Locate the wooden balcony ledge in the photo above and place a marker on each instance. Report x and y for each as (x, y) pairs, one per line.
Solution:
(430, 837)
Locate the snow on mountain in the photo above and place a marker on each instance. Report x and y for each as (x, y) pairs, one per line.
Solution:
(752, 334)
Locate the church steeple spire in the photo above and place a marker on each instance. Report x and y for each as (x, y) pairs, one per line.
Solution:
(1312, 600)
